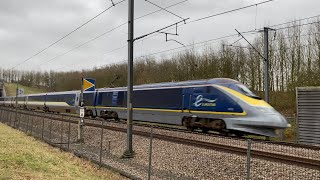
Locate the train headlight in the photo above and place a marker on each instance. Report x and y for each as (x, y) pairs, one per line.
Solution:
(266, 110)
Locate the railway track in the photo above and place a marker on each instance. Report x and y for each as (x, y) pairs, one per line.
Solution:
(261, 154)
(184, 130)
(179, 129)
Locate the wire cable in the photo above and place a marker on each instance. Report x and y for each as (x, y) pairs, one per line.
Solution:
(302, 19)
(111, 30)
(298, 25)
(196, 20)
(218, 14)
(68, 34)
(233, 10)
(164, 9)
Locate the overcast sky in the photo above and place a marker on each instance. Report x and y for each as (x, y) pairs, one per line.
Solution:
(28, 26)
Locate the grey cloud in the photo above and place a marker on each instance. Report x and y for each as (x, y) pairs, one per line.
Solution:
(28, 26)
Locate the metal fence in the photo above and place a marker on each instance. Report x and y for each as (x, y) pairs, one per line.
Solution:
(308, 110)
(162, 158)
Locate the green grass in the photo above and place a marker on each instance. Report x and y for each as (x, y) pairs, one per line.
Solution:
(23, 157)
(11, 89)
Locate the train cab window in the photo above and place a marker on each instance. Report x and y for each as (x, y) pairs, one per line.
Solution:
(244, 90)
(241, 89)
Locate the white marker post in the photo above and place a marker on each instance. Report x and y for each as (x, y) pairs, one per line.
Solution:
(81, 114)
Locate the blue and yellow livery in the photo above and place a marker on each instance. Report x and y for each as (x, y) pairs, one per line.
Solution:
(221, 104)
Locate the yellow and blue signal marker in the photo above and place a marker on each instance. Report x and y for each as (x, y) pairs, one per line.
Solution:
(89, 84)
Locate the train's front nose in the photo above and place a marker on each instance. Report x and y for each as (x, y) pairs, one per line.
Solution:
(273, 117)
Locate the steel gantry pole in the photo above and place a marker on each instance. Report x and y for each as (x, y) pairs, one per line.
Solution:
(129, 153)
(266, 64)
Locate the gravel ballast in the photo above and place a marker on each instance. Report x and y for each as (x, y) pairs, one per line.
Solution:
(176, 161)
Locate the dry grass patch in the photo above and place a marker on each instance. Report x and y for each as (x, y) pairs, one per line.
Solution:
(23, 157)
(11, 89)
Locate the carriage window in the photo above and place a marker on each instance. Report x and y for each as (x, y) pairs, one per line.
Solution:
(88, 99)
(105, 98)
(158, 98)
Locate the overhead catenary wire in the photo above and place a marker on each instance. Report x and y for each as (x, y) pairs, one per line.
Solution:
(242, 33)
(66, 35)
(297, 20)
(199, 19)
(184, 20)
(251, 45)
(161, 29)
(107, 32)
(230, 11)
(196, 46)
(168, 27)
(177, 48)
(218, 14)
(246, 32)
(317, 22)
(164, 9)
(295, 36)
(120, 25)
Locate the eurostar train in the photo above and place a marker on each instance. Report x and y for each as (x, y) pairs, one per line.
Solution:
(220, 104)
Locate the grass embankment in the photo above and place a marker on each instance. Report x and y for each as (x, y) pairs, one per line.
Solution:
(11, 89)
(23, 157)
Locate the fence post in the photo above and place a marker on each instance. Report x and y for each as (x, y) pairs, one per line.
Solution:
(248, 159)
(69, 128)
(19, 119)
(50, 129)
(42, 129)
(10, 118)
(1, 116)
(150, 153)
(28, 119)
(281, 134)
(101, 143)
(7, 117)
(61, 136)
(32, 123)
(109, 146)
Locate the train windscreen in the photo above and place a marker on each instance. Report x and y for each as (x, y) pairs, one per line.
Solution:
(246, 91)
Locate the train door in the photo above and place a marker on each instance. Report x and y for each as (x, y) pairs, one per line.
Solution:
(186, 98)
(115, 98)
(26, 103)
(45, 100)
(77, 100)
(95, 102)
(13, 101)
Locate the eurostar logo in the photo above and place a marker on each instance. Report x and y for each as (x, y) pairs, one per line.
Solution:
(89, 84)
(201, 101)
